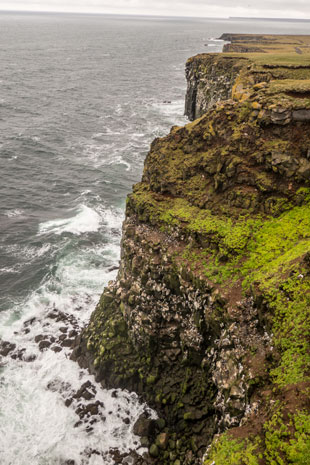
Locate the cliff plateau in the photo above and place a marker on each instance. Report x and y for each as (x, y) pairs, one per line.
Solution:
(209, 317)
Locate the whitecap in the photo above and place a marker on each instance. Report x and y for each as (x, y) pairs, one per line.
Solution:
(86, 192)
(138, 134)
(173, 111)
(85, 272)
(14, 213)
(29, 252)
(119, 160)
(86, 220)
(10, 269)
(110, 132)
(105, 155)
(38, 252)
(112, 217)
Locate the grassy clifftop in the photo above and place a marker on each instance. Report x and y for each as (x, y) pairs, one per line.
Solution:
(275, 62)
(267, 43)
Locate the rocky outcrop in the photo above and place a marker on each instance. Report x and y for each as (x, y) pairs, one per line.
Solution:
(210, 78)
(208, 319)
(213, 77)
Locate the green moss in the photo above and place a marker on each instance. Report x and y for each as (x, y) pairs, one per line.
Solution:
(298, 449)
(262, 252)
(244, 112)
(276, 245)
(229, 451)
(287, 442)
(278, 145)
(227, 233)
(264, 182)
(281, 443)
(267, 246)
(151, 379)
(291, 306)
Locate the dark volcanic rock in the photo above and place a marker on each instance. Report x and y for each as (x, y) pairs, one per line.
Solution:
(44, 344)
(6, 348)
(87, 391)
(144, 426)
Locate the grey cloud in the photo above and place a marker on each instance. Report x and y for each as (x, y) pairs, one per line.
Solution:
(189, 7)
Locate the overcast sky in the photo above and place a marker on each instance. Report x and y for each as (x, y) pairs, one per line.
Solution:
(202, 8)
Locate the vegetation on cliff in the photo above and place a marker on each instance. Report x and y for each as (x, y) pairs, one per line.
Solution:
(209, 318)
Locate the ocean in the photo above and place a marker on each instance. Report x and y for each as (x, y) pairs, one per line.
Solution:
(82, 97)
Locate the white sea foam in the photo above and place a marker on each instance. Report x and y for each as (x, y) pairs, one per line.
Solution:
(113, 217)
(88, 191)
(35, 420)
(86, 220)
(10, 269)
(138, 135)
(85, 272)
(36, 427)
(110, 132)
(33, 252)
(27, 253)
(172, 111)
(105, 155)
(14, 213)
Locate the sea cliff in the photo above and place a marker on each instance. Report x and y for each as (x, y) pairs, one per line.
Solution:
(209, 317)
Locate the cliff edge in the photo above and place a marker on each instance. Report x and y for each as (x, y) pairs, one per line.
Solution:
(259, 58)
(209, 317)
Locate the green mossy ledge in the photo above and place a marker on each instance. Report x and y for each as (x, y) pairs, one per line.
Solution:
(209, 317)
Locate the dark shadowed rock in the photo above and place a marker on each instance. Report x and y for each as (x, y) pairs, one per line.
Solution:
(6, 348)
(144, 426)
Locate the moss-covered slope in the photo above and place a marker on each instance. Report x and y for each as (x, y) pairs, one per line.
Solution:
(209, 318)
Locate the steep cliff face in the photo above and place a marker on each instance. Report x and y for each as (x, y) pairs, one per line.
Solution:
(217, 77)
(209, 316)
(210, 78)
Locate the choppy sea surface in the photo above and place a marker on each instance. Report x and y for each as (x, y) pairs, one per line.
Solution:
(81, 98)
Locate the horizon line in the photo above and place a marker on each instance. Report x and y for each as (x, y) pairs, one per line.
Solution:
(101, 13)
